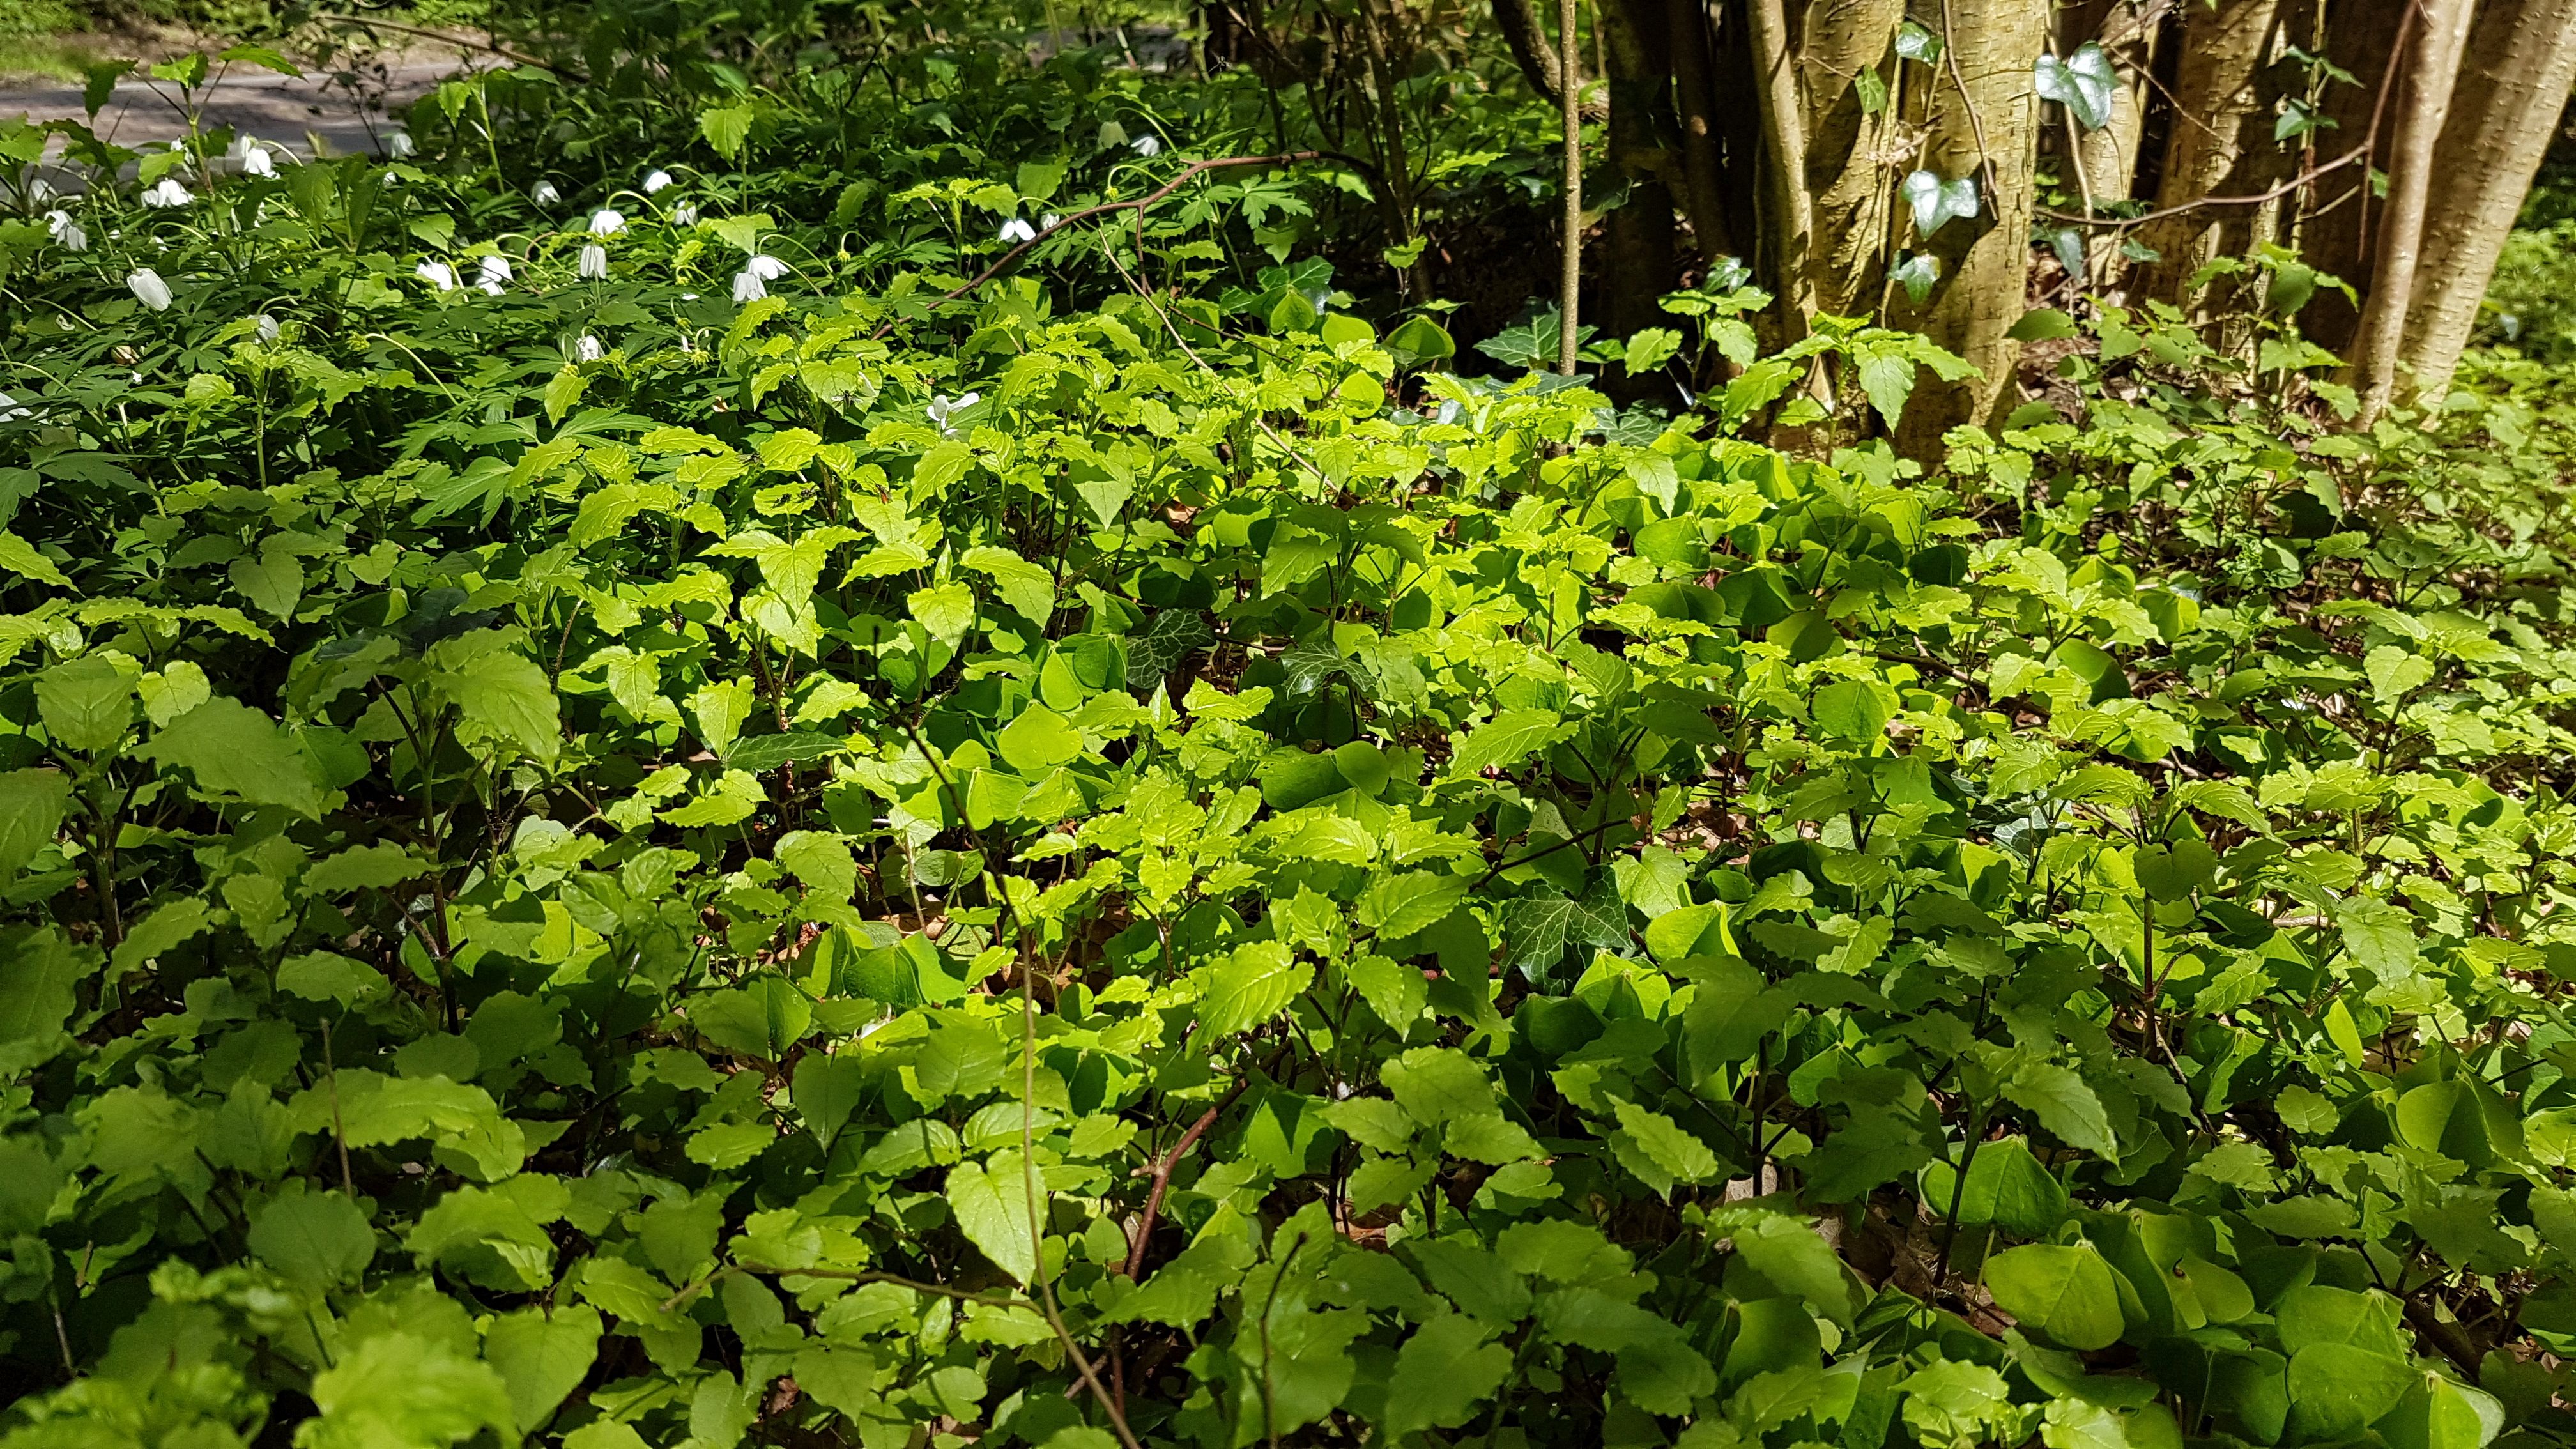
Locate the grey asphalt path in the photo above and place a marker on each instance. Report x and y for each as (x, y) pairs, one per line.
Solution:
(335, 115)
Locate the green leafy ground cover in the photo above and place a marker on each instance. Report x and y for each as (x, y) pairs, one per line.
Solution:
(1141, 855)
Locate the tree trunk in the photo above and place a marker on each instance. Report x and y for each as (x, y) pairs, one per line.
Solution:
(2335, 228)
(1703, 145)
(2217, 91)
(2521, 61)
(2423, 103)
(1787, 209)
(1640, 242)
(1526, 34)
(1850, 183)
(1984, 110)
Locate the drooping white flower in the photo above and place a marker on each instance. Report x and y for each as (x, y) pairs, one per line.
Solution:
(10, 412)
(594, 263)
(255, 160)
(398, 144)
(767, 268)
(655, 180)
(66, 232)
(166, 192)
(544, 194)
(1018, 230)
(495, 270)
(268, 328)
(748, 286)
(586, 348)
(438, 274)
(685, 214)
(1049, 222)
(605, 222)
(943, 408)
(1149, 144)
(148, 288)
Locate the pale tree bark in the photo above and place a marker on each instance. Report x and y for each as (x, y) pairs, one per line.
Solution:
(2217, 90)
(1788, 227)
(1983, 120)
(2432, 67)
(1851, 178)
(2512, 86)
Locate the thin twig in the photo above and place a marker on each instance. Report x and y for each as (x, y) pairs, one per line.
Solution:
(1138, 205)
(2322, 168)
(1163, 1180)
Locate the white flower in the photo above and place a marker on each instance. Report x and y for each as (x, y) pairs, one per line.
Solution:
(594, 263)
(10, 412)
(255, 160)
(268, 328)
(605, 222)
(586, 348)
(40, 189)
(656, 180)
(166, 192)
(942, 408)
(1050, 222)
(1149, 144)
(545, 194)
(67, 233)
(748, 286)
(398, 144)
(495, 271)
(1017, 230)
(768, 269)
(148, 288)
(685, 214)
(438, 274)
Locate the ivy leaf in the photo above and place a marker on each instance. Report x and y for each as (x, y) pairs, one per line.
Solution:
(1540, 926)
(1167, 643)
(2085, 83)
(1917, 274)
(1937, 202)
(991, 1204)
(1914, 41)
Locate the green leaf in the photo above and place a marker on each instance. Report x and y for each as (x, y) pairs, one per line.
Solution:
(1856, 710)
(32, 803)
(727, 128)
(2379, 936)
(86, 703)
(363, 867)
(233, 749)
(1405, 902)
(827, 1093)
(761, 1019)
(1437, 1084)
(273, 582)
(991, 1204)
(1672, 1156)
(2064, 1105)
(946, 610)
(543, 1356)
(2086, 83)
(1448, 1367)
(1253, 984)
(400, 1390)
(314, 1239)
(1504, 741)
(2072, 1295)
(21, 558)
(507, 694)
(2042, 324)
(1037, 741)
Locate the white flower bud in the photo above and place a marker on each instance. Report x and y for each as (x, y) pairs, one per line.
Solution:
(148, 288)
(594, 263)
